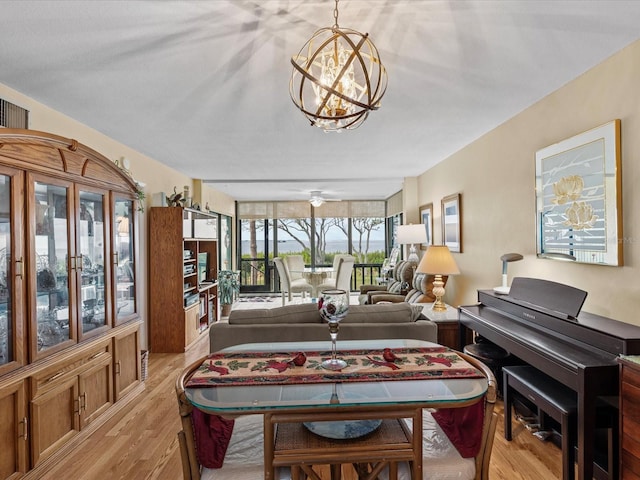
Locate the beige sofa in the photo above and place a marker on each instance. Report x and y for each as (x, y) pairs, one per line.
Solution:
(299, 323)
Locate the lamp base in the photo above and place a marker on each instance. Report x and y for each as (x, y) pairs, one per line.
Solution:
(501, 290)
(439, 305)
(413, 256)
(438, 292)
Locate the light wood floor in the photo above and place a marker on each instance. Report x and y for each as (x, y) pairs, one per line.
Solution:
(141, 443)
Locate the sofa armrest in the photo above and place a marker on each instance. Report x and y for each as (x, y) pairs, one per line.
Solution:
(375, 297)
(369, 288)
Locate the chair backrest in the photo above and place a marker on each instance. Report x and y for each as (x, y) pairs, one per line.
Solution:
(295, 265)
(283, 273)
(344, 271)
(190, 467)
(336, 261)
(490, 419)
(422, 289)
(402, 273)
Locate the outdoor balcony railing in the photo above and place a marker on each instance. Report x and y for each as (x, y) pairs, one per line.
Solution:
(253, 277)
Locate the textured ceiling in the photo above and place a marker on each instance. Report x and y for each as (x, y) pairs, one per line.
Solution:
(202, 86)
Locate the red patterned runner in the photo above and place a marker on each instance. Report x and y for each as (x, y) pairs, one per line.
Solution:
(281, 368)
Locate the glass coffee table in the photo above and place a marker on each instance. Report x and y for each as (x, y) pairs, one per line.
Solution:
(356, 401)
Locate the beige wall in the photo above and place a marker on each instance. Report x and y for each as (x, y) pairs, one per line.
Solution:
(495, 175)
(155, 176)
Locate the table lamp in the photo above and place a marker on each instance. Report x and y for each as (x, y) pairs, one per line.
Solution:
(506, 258)
(438, 261)
(410, 235)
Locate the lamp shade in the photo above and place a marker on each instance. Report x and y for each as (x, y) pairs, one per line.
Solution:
(438, 260)
(410, 234)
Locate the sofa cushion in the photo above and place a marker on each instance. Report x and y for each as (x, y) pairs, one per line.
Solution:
(381, 313)
(302, 313)
(308, 313)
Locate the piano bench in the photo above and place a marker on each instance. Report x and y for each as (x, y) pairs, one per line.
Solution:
(551, 398)
(492, 355)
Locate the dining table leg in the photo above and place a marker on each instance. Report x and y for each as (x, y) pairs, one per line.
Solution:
(417, 445)
(269, 438)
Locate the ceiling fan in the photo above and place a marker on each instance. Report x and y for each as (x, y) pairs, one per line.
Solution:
(316, 199)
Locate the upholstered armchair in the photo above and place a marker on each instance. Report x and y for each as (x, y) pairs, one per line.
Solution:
(421, 292)
(398, 284)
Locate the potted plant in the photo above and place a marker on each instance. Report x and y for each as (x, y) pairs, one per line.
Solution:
(228, 289)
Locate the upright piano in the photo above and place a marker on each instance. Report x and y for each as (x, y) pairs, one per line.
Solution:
(540, 323)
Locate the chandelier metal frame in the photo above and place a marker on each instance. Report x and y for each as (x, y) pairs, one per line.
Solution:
(357, 79)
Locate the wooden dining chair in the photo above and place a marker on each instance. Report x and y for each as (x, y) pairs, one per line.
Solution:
(244, 459)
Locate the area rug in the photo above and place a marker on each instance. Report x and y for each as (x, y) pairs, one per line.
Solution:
(257, 299)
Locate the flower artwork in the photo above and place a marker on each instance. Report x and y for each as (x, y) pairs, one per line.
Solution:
(579, 214)
(578, 197)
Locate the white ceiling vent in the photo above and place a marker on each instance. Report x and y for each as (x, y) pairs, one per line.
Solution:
(13, 116)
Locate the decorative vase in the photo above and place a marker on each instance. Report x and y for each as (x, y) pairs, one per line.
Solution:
(225, 309)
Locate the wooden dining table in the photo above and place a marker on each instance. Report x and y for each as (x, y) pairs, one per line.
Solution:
(346, 399)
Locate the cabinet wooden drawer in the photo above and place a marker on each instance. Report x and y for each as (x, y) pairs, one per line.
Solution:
(631, 376)
(126, 357)
(629, 436)
(629, 401)
(14, 430)
(54, 417)
(46, 379)
(95, 389)
(630, 465)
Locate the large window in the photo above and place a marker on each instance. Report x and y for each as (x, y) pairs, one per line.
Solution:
(269, 229)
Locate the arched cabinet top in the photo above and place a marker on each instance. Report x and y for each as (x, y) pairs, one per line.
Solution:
(53, 154)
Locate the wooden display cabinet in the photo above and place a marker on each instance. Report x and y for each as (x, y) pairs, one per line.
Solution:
(182, 268)
(68, 297)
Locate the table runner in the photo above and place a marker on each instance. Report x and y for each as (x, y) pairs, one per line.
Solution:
(280, 368)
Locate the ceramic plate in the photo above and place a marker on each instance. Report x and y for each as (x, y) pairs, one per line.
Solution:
(343, 429)
(346, 429)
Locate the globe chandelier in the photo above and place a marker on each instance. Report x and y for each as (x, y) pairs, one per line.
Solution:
(337, 78)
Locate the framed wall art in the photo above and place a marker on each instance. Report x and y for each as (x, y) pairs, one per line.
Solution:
(426, 217)
(452, 222)
(578, 197)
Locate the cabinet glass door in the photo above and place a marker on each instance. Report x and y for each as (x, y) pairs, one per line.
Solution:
(124, 259)
(51, 254)
(7, 313)
(12, 273)
(91, 251)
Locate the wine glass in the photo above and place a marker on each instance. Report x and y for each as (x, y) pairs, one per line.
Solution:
(333, 306)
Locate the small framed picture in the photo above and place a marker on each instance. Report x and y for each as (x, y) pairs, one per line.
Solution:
(426, 217)
(452, 222)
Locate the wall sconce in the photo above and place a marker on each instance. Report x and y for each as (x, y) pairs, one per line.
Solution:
(506, 258)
